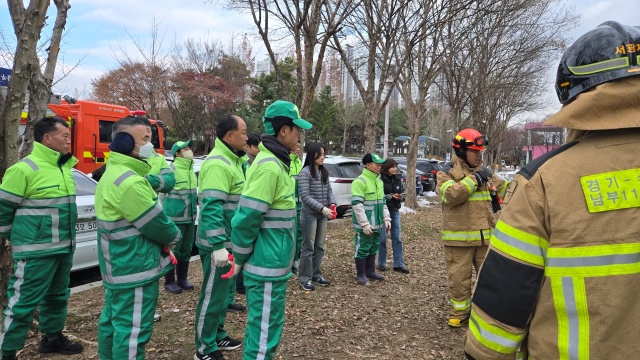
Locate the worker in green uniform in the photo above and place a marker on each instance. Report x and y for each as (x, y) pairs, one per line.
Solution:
(294, 170)
(370, 216)
(38, 215)
(180, 204)
(263, 230)
(134, 238)
(221, 183)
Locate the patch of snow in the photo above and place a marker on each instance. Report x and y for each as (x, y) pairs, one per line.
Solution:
(406, 210)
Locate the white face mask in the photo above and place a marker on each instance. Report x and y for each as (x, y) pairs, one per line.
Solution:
(146, 151)
(187, 154)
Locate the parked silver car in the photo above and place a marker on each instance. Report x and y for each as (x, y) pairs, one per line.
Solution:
(86, 254)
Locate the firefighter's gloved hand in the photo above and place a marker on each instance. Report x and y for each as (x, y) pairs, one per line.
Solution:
(482, 176)
(221, 257)
(367, 230)
(327, 212)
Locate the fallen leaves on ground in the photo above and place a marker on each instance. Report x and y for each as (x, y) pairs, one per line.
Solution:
(403, 317)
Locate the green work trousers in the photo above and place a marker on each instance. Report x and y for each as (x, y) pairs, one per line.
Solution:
(36, 282)
(265, 320)
(212, 305)
(366, 245)
(126, 322)
(183, 248)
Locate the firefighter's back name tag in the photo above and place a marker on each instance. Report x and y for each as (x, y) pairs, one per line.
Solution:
(612, 190)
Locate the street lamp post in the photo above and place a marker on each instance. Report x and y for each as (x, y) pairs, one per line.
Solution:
(448, 156)
(385, 147)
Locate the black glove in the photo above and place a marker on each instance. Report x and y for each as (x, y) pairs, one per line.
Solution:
(482, 176)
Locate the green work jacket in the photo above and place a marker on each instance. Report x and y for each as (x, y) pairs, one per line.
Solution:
(368, 190)
(180, 204)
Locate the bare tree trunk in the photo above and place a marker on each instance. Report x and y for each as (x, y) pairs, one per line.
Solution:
(40, 84)
(27, 26)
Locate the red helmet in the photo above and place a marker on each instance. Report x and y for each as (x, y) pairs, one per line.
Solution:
(469, 139)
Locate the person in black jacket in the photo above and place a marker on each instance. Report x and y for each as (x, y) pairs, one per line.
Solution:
(394, 193)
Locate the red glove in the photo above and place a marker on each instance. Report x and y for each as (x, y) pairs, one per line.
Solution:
(334, 212)
(229, 274)
(166, 249)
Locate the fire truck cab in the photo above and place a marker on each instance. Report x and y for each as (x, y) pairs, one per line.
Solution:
(91, 124)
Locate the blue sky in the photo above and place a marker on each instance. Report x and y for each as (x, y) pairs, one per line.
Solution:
(97, 28)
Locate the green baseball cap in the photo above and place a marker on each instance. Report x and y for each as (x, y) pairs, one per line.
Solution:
(181, 145)
(281, 113)
(372, 158)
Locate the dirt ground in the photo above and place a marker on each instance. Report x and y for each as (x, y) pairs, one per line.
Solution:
(403, 317)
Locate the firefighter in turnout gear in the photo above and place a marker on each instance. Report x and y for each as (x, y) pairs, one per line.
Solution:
(180, 205)
(560, 280)
(38, 215)
(132, 231)
(263, 234)
(221, 183)
(369, 216)
(468, 215)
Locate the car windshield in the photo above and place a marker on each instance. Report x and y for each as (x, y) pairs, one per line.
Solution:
(349, 170)
(84, 185)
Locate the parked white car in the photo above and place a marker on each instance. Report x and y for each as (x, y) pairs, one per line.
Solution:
(342, 172)
(86, 254)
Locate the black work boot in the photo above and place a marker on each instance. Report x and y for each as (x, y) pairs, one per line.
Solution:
(360, 271)
(170, 282)
(370, 269)
(182, 269)
(59, 344)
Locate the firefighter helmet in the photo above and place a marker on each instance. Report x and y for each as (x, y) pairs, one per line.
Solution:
(469, 139)
(606, 53)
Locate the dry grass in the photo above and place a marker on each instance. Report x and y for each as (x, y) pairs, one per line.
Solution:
(403, 317)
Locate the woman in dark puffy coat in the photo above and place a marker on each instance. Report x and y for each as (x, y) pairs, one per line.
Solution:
(316, 197)
(394, 193)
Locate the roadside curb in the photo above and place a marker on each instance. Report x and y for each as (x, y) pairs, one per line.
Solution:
(97, 284)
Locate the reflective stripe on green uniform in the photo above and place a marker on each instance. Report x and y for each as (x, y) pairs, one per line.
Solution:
(263, 234)
(181, 202)
(368, 190)
(38, 210)
(131, 226)
(38, 214)
(160, 175)
(220, 185)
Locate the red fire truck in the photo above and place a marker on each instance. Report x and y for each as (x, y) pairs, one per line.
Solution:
(91, 124)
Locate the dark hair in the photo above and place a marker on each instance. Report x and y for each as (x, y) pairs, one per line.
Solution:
(253, 140)
(313, 152)
(388, 164)
(226, 123)
(128, 121)
(47, 125)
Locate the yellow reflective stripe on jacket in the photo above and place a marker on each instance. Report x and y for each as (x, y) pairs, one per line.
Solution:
(460, 305)
(480, 196)
(599, 260)
(570, 302)
(447, 184)
(519, 244)
(467, 182)
(473, 235)
(503, 190)
(494, 337)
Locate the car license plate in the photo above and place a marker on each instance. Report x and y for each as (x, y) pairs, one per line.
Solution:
(86, 226)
